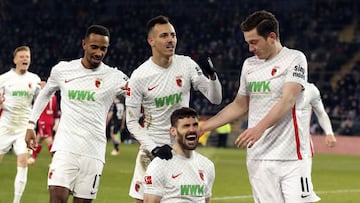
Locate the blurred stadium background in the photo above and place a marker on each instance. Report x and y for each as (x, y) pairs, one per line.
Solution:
(327, 31)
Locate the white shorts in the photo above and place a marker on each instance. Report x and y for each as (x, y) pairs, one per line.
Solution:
(312, 197)
(279, 181)
(143, 159)
(80, 174)
(13, 138)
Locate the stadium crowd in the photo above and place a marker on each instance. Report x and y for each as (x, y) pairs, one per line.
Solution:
(52, 29)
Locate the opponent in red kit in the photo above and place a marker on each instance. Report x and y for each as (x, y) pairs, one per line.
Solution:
(47, 124)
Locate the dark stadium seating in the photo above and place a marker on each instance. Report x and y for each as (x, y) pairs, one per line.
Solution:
(54, 29)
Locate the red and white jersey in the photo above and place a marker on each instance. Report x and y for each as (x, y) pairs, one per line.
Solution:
(312, 102)
(18, 92)
(86, 95)
(180, 179)
(263, 82)
(50, 112)
(160, 91)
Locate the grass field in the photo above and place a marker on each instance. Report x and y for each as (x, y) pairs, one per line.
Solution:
(336, 178)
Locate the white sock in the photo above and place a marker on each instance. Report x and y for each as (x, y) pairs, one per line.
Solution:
(20, 182)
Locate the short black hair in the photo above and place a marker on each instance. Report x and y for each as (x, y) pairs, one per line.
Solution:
(264, 22)
(184, 112)
(97, 29)
(156, 20)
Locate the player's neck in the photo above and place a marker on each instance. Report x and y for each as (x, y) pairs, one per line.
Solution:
(183, 152)
(163, 62)
(20, 71)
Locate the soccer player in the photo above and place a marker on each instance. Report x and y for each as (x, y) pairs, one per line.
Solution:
(188, 176)
(87, 88)
(312, 103)
(46, 124)
(116, 122)
(271, 83)
(18, 89)
(159, 86)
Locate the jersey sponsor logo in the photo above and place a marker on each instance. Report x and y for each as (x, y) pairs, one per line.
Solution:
(299, 72)
(20, 93)
(151, 88)
(175, 176)
(168, 100)
(259, 86)
(81, 95)
(193, 190)
(148, 180)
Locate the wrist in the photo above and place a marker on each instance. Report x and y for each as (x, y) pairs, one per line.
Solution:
(31, 125)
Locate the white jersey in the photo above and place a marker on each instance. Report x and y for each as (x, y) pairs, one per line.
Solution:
(86, 96)
(312, 102)
(180, 179)
(19, 92)
(162, 90)
(263, 82)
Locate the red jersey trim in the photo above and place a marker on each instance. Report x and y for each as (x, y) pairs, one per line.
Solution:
(296, 129)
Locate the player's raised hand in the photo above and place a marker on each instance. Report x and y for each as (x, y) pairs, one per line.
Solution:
(207, 66)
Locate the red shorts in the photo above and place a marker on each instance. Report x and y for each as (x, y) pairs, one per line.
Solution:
(45, 129)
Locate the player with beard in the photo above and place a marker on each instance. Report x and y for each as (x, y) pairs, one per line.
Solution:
(170, 181)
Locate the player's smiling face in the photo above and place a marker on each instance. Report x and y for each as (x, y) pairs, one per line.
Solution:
(187, 133)
(163, 40)
(22, 60)
(95, 48)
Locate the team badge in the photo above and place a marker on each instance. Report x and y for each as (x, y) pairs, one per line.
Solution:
(274, 70)
(148, 180)
(98, 83)
(179, 81)
(29, 85)
(201, 174)
(137, 186)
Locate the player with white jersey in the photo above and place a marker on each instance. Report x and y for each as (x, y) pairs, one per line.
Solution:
(188, 176)
(312, 103)
(18, 89)
(271, 85)
(158, 87)
(87, 88)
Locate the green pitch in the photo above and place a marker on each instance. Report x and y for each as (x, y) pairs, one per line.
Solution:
(336, 178)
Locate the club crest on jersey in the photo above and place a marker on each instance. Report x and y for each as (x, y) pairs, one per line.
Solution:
(98, 82)
(274, 70)
(29, 85)
(179, 81)
(148, 180)
(201, 174)
(137, 186)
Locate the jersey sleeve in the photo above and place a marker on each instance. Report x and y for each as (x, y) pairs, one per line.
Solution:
(211, 89)
(298, 70)
(154, 178)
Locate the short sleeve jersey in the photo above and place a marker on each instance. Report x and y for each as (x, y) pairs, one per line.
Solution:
(86, 96)
(18, 92)
(180, 179)
(263, 82)
(162, 90)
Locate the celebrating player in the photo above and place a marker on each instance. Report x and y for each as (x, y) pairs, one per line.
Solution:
(87, 87)
(159, 86)
(170, 181)
(18, 89)
(271, 83)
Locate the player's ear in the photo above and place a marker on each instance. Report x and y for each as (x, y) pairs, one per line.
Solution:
(173, 131)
